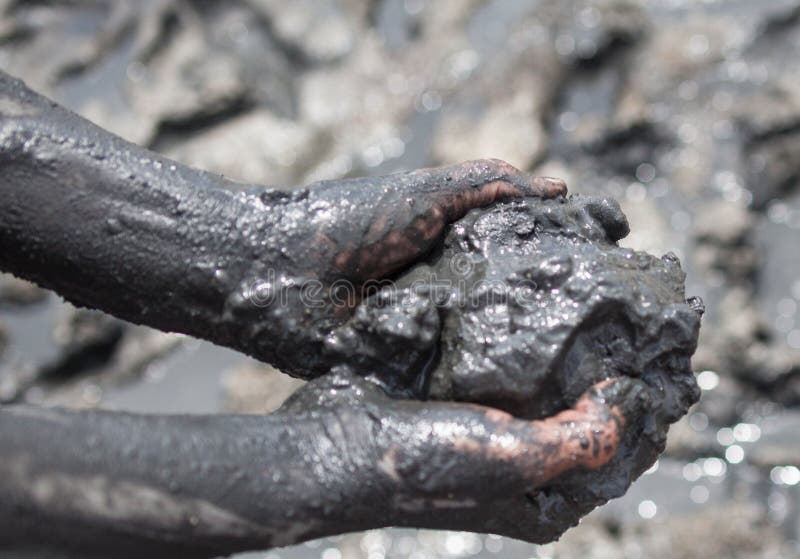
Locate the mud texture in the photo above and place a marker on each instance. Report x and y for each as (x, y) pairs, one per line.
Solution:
(552, 305)
(685, 112)
(527, 305)
(113, 226)
(535, 302)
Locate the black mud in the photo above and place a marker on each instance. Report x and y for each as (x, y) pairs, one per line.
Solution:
(528, 304)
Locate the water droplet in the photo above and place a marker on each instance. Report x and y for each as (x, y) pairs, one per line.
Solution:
(714, 467)
(372, 156)
(568, 121)
(698, 46)
(698, 421)
(725, 436)
(778, 212)
(636, 192)
(787, 307)
(747, 432)
(431, 100)
(92, 394)
(565, 44)
(589, 17)
(796, 289)
(645, 172)
(790, 475)
(331, 553)
(692, 472)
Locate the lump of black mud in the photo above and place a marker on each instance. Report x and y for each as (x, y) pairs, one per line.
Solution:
(526, 306)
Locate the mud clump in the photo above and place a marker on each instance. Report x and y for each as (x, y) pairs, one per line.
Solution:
(546, 304)
(525, 306)
(534, 301)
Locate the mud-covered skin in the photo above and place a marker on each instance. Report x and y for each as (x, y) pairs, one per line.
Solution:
(110, 225)
(534, 302)
(100, 484)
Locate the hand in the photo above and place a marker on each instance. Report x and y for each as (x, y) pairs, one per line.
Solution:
(336, 236)
(468, 467)
(367, 228)
(339, 456)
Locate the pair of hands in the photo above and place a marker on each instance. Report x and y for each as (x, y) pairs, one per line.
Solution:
(454, 458)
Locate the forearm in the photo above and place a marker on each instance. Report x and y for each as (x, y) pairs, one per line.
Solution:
(110, 225)
(113, 226)
(97, 484)
(338, 457)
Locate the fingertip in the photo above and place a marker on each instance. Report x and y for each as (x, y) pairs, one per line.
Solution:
(627, 394)
(548, 187)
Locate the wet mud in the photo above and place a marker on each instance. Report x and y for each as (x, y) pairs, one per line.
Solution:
(527, 306)
(684, 112)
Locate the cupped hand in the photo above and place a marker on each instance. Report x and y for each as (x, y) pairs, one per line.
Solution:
(469, 467)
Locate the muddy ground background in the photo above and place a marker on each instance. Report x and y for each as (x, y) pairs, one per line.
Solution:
(687, 112)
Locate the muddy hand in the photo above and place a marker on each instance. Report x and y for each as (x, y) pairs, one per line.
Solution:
(469, 467)
(157, 243)
(335, 236)
(370, 227)
(338, 457)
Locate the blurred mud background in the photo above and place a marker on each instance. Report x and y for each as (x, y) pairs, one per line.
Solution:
(687, 112)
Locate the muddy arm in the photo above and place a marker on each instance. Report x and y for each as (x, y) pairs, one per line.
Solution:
(338, 457)
(113, 226)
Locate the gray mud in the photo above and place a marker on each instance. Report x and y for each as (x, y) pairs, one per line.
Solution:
(526, 305)
(553, 304)
(686, 112)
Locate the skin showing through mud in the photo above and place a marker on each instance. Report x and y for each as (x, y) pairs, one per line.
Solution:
(586, 435)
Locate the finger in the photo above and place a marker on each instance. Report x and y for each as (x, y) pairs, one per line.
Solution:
(587, 435)
(425, 201)
(485, 445)
(473, 184)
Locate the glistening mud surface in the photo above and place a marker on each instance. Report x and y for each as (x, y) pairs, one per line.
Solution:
(535, 302)
(550, 265)
(659, 121)
(527, 305)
